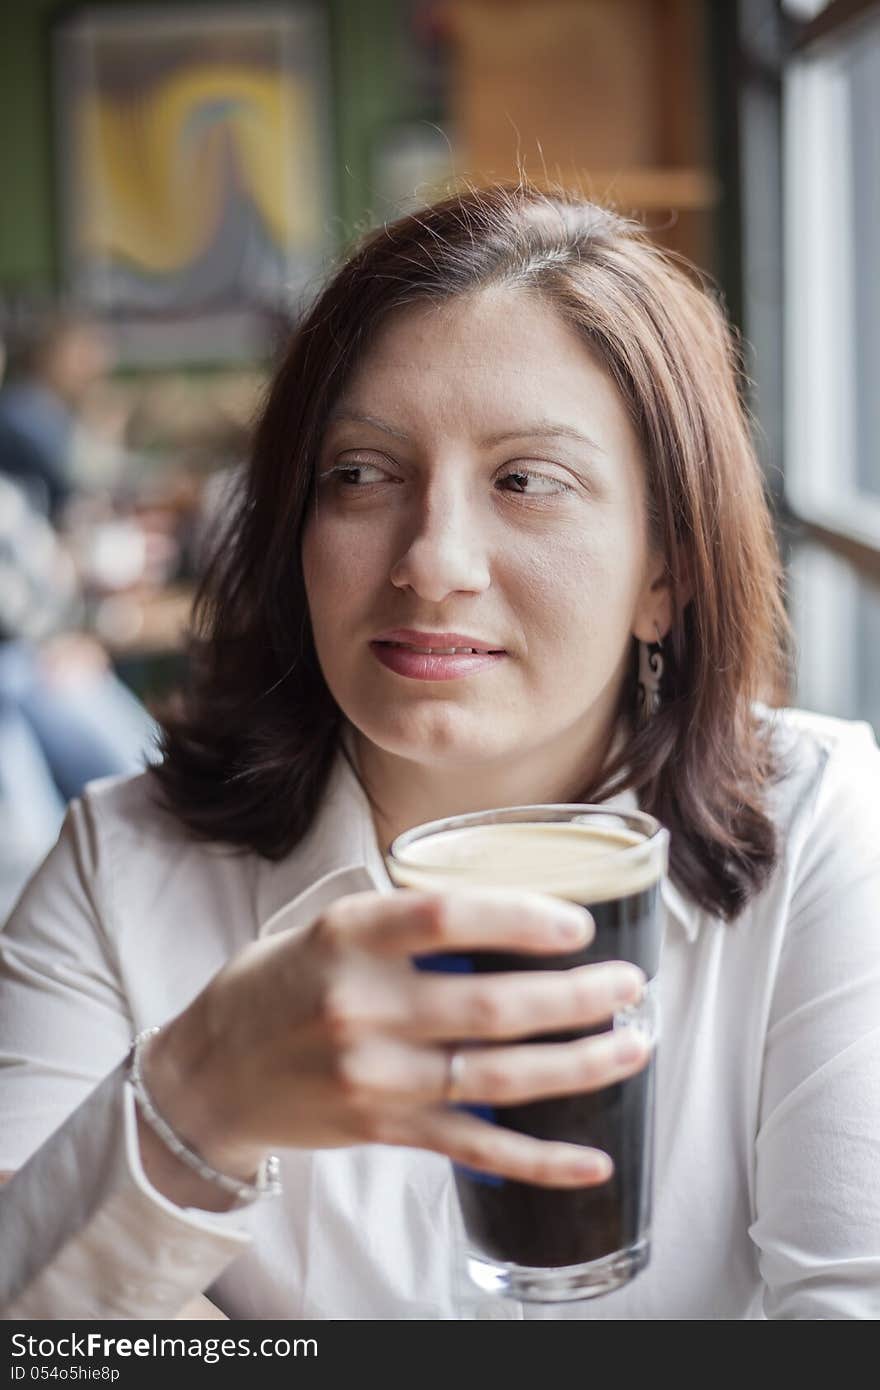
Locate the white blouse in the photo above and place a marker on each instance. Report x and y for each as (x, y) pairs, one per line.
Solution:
(767, 1168)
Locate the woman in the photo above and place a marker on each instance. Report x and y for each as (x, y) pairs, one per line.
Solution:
(509, 423)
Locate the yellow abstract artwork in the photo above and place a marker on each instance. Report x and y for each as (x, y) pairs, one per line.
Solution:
(195, 157)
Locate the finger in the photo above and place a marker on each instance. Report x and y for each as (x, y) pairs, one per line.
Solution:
(519, 1004)
(407, 922)
(381, 1072)
(492, 1149)
(514, 1075)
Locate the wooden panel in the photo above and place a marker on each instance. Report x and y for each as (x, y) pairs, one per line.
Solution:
(682, 188)
(574, 80)
(681, 112)
(604, 96)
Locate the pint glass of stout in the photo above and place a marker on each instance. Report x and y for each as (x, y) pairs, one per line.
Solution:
(535, 1243)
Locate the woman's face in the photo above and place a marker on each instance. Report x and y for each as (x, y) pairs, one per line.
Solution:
(480, 476)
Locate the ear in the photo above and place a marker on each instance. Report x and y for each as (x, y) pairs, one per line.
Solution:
(655, 608)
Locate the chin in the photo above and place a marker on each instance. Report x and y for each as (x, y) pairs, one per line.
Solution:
(433, 735)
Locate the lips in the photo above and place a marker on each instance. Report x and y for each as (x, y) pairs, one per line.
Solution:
(438, 651)
(433, 665)
(437, 643)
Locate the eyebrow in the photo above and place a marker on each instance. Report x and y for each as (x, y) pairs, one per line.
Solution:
(535, 429)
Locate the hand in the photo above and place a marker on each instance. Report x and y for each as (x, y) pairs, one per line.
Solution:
(333, 1037)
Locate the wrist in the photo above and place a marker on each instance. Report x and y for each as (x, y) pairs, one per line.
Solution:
(172, 1178)
(178, 1067)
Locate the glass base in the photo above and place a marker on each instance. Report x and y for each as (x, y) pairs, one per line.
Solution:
(558, 1285)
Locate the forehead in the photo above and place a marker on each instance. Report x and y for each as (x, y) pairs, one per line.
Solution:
(487, 353)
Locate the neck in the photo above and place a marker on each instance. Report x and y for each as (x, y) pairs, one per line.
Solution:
(404, 793)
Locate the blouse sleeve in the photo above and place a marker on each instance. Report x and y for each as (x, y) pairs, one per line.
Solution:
(83, 1233)
(817, 1180)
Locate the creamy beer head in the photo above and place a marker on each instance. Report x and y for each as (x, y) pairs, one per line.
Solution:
(588, 860)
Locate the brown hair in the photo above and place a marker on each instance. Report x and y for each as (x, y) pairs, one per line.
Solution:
(248, 755)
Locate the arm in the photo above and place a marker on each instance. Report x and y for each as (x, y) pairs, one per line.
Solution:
(108, 1243)
(818, 1146)
(197, 1309)
(324, 1037)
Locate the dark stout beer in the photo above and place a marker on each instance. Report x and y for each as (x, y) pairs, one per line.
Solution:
(615, 873)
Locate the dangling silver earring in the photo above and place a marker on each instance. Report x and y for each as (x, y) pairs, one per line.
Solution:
(650, 677)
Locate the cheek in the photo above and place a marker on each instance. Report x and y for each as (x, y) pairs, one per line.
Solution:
(581, 595)
(338, 566)
(319, 569)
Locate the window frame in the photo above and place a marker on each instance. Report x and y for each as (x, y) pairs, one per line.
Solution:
(821, 485)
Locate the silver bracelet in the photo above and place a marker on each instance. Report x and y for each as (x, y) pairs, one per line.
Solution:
(268, 1183)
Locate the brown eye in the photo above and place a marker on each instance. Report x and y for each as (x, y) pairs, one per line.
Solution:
(527, 484)
(352, 475)
(520, 479)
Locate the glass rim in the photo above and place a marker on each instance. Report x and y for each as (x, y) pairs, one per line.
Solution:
(654, 833)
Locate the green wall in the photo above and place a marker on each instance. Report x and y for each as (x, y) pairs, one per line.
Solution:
(365, 95)
(27, 244)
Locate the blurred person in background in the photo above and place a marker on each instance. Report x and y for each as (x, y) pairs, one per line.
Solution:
(94, 490)
(53, 359)
(65, 718)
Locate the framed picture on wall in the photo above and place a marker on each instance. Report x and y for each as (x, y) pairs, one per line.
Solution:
(194, 166)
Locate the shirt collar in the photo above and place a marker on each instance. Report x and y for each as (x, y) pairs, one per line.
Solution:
(340, 855)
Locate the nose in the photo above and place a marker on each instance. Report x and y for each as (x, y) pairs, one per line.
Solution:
(445, 551)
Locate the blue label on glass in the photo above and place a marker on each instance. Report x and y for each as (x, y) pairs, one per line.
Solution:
(445, 965)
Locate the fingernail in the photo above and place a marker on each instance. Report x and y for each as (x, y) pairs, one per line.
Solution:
(629, 986)
(574, 924)
(629, 1047)
(597, 1166)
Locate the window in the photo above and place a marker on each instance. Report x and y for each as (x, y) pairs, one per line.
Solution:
(837, 620)
(831, 143)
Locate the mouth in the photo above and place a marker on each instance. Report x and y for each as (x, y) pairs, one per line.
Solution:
(434, 663)
(444, 651)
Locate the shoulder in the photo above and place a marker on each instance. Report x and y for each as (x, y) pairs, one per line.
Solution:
(115, 831)
(127, 883)
(128, 824)
(826, 807)
(131, 801)
(129, 810)
(808, 729)
(140, 859)
(819, 757)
